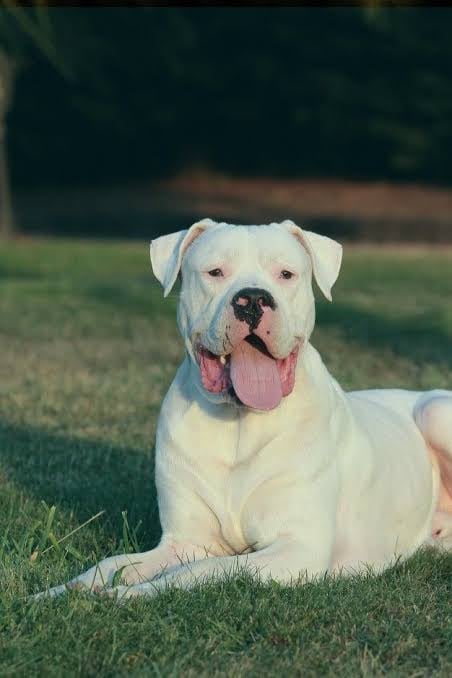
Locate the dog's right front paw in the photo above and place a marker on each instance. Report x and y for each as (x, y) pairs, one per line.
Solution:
(56, 591)
(108, 573)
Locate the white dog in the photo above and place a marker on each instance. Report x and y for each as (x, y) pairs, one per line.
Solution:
(262, 461)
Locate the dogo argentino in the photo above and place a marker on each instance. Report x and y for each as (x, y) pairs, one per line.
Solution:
(262, 461)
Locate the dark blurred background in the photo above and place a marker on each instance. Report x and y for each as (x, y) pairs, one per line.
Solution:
(134, 121)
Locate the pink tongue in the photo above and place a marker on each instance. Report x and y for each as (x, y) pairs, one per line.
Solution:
(255, 377)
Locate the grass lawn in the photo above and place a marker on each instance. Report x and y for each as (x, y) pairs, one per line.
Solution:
(88, 348)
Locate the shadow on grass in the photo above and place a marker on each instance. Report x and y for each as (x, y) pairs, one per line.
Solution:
(83, 476)
(9, 275)
(421, 338)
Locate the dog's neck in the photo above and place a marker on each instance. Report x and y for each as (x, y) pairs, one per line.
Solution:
(234, 434)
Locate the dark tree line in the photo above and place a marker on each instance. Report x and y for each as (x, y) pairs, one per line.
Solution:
(119, 94)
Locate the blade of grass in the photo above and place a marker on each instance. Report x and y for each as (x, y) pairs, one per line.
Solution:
(66, 536)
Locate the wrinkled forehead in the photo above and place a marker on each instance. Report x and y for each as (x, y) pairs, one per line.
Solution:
(229, 243)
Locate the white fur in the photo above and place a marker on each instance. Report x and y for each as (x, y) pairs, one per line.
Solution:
(326, 482)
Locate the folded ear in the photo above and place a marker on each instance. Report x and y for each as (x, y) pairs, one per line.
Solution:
(168, 250)
(325, 253)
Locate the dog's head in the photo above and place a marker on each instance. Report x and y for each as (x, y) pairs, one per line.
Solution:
(246, 306)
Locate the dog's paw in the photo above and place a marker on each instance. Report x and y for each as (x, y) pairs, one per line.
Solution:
(123, 593)
(61, 590)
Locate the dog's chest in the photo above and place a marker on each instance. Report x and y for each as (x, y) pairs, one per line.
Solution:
(238, 496)
(237, 470)
(236, 473)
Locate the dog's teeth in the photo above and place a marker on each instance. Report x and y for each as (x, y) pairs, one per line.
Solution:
(223, 359)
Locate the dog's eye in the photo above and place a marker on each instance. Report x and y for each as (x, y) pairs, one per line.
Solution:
(287, 275)
(216, 273)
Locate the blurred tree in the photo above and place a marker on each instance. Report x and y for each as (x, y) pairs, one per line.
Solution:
(133, 73)
(21, 32)
(89, 83)
(7, 67)
(349, 92)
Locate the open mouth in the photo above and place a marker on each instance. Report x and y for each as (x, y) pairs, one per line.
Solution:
(250, 373)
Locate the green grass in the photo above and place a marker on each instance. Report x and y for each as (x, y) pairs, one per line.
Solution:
(88, 348)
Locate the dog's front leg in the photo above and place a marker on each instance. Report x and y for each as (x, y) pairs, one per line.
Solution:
(131, 568)
(284, 561)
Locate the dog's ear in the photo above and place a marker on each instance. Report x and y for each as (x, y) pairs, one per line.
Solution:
(168, 250)
(325, 254)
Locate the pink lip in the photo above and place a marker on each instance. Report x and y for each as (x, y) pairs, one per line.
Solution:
(214, 374)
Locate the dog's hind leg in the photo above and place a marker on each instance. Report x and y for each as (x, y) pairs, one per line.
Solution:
(433, 415)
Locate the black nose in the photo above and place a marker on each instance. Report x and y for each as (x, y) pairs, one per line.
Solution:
(248, 305)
